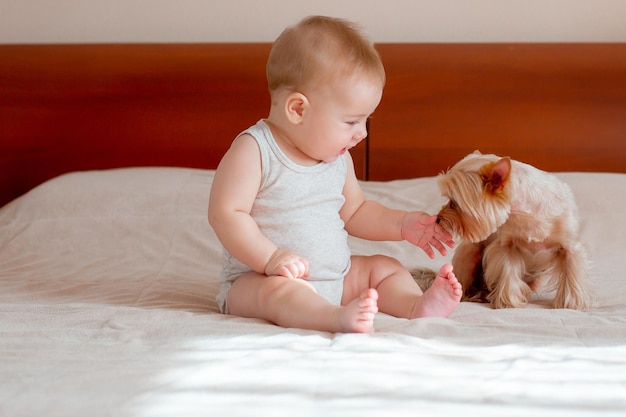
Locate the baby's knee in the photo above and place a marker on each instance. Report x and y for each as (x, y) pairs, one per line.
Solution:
(383, 265)
(386, 260)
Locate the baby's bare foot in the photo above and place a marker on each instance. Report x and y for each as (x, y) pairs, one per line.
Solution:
(358, 315)
(443, 296)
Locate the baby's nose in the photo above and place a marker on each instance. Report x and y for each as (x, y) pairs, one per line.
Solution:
(361, 133)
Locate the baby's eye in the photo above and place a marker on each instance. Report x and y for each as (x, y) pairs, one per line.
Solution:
(353, 122)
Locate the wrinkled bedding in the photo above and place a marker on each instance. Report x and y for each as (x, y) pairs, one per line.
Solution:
(107, 308)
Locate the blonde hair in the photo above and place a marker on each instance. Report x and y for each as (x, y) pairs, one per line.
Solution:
(320, 49)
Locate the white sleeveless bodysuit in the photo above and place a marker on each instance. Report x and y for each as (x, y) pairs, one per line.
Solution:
(297, 207)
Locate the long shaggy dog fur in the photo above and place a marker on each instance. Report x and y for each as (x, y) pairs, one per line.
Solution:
(518, 231)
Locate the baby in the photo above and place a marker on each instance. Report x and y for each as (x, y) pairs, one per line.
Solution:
(285, 197)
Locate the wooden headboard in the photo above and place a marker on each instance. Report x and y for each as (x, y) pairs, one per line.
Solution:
(561, 107)
(63, 108)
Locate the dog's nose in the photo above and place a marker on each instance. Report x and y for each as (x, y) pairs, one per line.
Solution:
(438, 219)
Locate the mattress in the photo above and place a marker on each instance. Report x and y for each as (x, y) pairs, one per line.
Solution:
(107, 308)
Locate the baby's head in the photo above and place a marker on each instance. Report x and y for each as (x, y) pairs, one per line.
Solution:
(319, 51)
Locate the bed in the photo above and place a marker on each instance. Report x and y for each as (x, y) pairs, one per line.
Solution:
(108, 267)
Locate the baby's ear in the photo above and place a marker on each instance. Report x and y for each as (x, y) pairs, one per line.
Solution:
(496, 174)
(295, 106)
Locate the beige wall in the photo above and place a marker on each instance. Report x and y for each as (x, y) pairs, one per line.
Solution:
(43, 21)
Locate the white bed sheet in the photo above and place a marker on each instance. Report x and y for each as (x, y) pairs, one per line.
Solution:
(107, 286)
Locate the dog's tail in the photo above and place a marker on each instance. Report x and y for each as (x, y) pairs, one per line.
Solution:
(424, 277)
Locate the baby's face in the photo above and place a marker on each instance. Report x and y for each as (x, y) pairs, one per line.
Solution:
(337, 115)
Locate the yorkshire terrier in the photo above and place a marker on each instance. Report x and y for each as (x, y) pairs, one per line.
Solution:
(518, 231)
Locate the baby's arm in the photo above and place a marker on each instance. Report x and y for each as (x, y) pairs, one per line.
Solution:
(235, 187)
(371, 220)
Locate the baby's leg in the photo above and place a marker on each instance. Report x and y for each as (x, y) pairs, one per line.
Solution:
(294, 303)
(399, 295)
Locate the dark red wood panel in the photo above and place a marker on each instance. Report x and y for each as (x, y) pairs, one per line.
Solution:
(561, 107)
(77, 107)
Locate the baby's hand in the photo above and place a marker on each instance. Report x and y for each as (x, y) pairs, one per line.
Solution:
(421, 229)
(287, 264)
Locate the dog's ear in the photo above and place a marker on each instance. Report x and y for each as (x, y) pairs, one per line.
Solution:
(496, 174)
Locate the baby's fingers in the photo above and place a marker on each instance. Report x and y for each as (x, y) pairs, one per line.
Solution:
(428, 250)
(285, 271)
(444, 237)
(296, 269)
(439, 246)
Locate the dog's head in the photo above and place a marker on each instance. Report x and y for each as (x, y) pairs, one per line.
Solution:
(478, 196)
